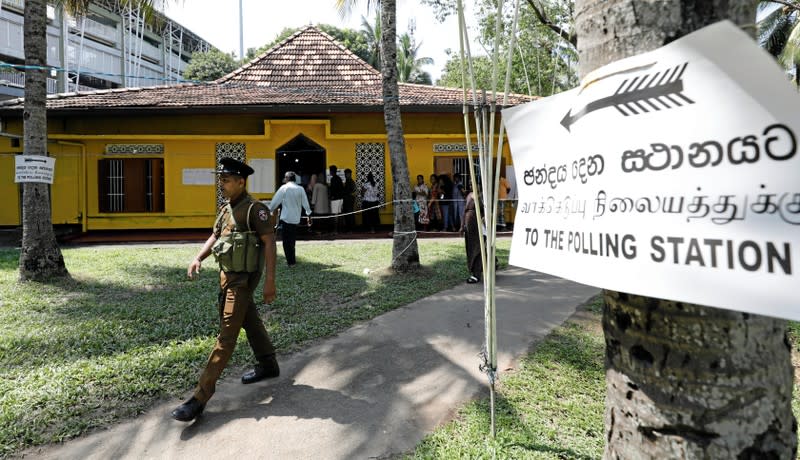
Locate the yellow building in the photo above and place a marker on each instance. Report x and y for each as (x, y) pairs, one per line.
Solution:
(140, 158)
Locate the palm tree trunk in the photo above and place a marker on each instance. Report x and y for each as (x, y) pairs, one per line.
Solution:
(405, 254)
(40, 257)
(682, 380)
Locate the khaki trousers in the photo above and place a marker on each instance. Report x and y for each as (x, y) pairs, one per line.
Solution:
(237, 310)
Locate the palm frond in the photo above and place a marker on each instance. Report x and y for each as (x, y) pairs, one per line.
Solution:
(74, 7)
(345, 7)
(790, 56)
(774, 31)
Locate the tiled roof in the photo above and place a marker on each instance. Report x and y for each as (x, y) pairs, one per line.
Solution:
(307, 71)
(309, 58)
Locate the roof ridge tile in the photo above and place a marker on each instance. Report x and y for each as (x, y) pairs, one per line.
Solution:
(227, 77)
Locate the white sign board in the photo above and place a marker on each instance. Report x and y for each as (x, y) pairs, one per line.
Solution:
(672, 174)
(34, 168)
(263, 179)
(199, 176)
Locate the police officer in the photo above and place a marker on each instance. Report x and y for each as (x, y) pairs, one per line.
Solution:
(248, 223)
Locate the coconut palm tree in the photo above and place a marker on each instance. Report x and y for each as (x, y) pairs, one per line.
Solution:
(682, 380)
(40, 257)
(779, 33)
(405, 252)
(409, 66)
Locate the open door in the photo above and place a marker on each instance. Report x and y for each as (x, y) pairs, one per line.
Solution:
(301, 155)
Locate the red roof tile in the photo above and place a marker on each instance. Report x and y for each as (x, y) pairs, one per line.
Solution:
(309, 58)
(307, 71)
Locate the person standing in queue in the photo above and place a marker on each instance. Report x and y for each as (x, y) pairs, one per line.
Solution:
(320, 204)
(336, 194)
(370, 203)
(248, 222)
(472, 243)
(503, 191)
(446, 201)
(457, 206)
(349, 203)
(421, 194)
(292, 200)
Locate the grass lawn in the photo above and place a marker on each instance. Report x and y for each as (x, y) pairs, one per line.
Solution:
(130, 329)
(549, 408)
(552, 407)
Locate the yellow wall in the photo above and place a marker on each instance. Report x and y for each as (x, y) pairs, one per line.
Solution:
(159, 124)
(65, 193)
(10, 210)
(189, 142)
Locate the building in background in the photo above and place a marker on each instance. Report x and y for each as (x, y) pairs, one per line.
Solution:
(143, 158)
(112, 46)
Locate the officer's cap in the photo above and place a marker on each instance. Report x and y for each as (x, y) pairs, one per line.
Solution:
(228, 165)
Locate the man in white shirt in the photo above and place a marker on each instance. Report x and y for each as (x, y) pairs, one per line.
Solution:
(292, 199)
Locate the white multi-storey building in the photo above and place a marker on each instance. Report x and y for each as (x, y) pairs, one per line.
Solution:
(111, 46)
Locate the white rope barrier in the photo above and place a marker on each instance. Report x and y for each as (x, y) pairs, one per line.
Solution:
(387, 203)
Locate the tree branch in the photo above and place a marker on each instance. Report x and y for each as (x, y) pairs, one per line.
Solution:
(572, 38)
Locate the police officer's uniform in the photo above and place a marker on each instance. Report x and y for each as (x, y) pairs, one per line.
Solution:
(238, 281)
(237, 309)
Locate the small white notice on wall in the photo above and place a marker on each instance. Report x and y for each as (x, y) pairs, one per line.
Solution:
(263, 179)
(34, 168)
(198, 176)
(673, 174)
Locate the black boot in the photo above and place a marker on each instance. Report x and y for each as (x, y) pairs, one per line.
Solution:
(266, 369)
(189, 410)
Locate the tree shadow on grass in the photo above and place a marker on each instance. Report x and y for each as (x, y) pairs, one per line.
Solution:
(109, 342)
(9, 259)
(514, 439)
(519, 405)
(573, 347)
(157, 321)
(89, 318)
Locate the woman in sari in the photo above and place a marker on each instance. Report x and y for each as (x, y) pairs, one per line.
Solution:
(421, 194)
(434, 211)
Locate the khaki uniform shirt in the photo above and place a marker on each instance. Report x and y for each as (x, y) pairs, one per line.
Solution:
(261, 221)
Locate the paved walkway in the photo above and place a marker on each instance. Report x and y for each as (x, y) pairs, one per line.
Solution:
(370, 392)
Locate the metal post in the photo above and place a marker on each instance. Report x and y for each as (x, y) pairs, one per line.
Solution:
(241, 31)
(61, 79)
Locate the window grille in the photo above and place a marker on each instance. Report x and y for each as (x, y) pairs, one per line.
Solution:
(116, 185)
(131, 185)
(461, 166)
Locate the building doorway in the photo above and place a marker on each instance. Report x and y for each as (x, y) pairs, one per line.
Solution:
(301, 155)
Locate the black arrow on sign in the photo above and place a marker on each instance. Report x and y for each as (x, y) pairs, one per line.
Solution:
(28, 160)
(666, 89)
